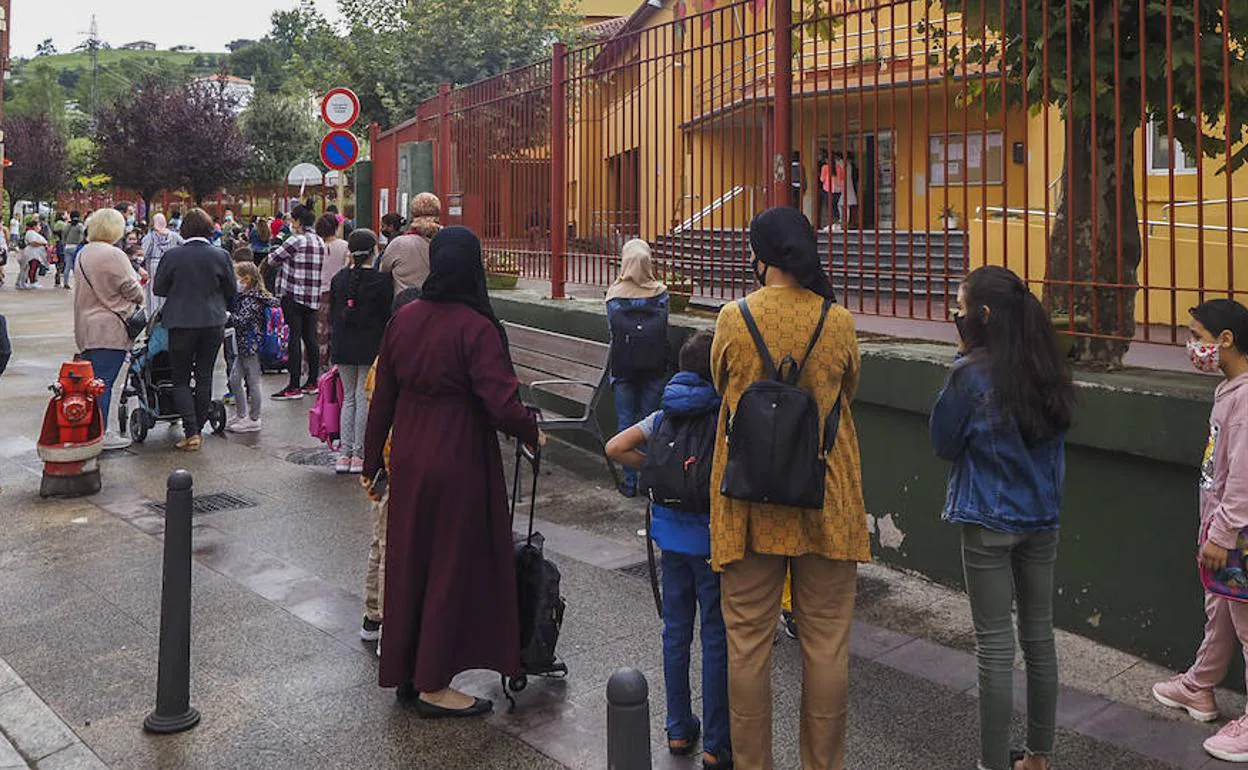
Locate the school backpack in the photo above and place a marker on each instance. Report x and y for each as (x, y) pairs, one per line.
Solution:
(677, 471)
(275, 345)
(638, 341)
(325, 416)
(775, 454)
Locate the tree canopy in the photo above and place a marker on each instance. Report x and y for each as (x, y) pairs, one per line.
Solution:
(40, 160)
(282, 132)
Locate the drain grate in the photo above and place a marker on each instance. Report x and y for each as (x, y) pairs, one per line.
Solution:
(218, 501)
(640, 570)
(316, 456)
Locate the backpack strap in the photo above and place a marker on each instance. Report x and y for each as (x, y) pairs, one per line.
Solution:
(823, 316)
(769, 364)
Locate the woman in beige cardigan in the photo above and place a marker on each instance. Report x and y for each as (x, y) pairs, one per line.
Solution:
(107, 290)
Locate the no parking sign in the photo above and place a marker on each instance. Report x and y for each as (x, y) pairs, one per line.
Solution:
(340, 149)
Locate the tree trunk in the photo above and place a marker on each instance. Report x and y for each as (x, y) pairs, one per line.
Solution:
(1086, 258)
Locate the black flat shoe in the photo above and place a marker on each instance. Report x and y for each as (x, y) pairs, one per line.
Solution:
(406, 693)
(426, 710)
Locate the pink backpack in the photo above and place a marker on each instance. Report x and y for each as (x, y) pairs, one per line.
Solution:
(325, 417)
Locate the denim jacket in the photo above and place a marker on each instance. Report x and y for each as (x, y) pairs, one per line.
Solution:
(997, 481)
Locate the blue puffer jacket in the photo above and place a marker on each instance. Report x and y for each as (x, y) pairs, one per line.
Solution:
(997, 481)
(686, 395)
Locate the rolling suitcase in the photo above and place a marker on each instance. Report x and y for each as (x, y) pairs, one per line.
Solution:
(537, 589)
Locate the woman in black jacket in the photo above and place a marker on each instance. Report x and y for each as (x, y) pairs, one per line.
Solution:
(197, 281)
(360, 299)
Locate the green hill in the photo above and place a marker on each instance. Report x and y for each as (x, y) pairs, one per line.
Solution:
(119, 71)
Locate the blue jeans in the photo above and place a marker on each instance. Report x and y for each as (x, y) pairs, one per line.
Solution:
(107, 365)
(636, 400)
(689, 583)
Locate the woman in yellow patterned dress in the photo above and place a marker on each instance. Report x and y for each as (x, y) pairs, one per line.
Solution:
(753, 544)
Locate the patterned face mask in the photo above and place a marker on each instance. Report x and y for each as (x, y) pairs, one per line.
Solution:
(1205, 355)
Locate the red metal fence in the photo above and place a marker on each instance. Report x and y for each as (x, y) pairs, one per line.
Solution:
(1082, 143)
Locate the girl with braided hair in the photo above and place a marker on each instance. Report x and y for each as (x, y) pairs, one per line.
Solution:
(360, 299)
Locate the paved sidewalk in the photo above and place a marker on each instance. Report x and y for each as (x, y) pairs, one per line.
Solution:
(32, 735)
(282, 680)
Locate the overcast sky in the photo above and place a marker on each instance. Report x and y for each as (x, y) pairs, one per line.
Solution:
(207, 26)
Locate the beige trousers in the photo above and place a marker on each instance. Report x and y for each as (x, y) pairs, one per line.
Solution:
(375, 578)
(823, 603)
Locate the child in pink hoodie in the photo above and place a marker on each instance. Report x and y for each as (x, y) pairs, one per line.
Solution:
(1219, 343)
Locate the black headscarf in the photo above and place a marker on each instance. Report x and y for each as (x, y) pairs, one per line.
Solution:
(783, 238)
(457, 274)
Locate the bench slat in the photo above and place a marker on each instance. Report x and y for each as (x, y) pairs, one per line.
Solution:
(555, 368)
(573, 349)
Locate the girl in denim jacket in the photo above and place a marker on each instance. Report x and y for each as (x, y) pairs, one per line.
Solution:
(1002, 420)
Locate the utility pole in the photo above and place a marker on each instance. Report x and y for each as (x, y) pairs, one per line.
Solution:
(93, 48)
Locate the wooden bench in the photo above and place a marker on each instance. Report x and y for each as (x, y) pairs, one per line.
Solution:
(566, 377)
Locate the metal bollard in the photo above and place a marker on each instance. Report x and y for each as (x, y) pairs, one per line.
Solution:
(628, 721)
(173, 712)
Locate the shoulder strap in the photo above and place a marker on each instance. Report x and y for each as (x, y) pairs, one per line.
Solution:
(827, 305)
(769, 364)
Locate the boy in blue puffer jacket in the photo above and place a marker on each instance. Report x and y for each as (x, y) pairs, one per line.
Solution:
(673, 447)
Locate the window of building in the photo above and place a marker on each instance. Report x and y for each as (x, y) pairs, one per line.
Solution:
(1163, 154)
(975, 158)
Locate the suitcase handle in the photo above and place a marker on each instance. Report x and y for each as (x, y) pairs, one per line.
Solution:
(534, 456)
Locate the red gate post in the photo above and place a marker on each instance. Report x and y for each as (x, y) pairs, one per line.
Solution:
(558, 169)
(444, 148)
(782, 115)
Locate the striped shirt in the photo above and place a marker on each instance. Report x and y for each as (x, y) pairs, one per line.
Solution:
(298, 263)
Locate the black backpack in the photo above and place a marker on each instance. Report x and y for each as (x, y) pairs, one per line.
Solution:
(677, 471)
(775, 454)
(638, 341)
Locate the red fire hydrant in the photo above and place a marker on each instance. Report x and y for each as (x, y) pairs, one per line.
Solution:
(73, 433)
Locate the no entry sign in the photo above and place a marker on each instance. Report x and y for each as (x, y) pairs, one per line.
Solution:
(340, 149)
(340, 108)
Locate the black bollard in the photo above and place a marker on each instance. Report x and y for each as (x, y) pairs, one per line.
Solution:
(628, 721)
(173, 712)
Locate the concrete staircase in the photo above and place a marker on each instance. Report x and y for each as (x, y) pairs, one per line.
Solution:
(895, 263)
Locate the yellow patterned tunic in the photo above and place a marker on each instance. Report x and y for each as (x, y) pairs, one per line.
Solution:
(787, 319)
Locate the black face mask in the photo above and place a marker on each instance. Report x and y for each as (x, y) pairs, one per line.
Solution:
(959, 320)
(760, 277)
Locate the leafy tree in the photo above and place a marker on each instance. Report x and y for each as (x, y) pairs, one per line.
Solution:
(448, 41)
(81, 159)
(1099, 152)
(210, 150)
(38, 92)
(40, 160)
(281, 132)
(45, 48)
(234, 46)
(138, 137)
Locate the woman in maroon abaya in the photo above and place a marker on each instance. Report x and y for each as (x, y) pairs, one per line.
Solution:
(446, 385)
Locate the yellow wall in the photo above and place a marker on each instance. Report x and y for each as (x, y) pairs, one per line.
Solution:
(697, 110)
(607, 8)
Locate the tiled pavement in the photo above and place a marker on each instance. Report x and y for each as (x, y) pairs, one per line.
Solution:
(282, 680)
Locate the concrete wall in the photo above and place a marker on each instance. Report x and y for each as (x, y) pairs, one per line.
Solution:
(1126, 572)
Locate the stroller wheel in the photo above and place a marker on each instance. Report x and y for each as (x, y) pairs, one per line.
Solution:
(518, 683)
(138, 426)
(216, 417)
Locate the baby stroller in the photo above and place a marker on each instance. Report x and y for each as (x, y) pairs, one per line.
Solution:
(150, 380)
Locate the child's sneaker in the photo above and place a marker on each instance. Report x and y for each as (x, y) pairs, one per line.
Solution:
(370, 630)
(1199, 704)
(789, 624)
(357, 465)
(343, 465)
(288, 394)
(247, 425)
(1231, 742)
(229, 400)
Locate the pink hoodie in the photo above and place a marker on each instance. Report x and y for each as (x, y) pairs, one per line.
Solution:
(1224, 470)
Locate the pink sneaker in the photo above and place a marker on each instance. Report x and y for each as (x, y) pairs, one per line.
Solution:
(1231, 742)
(1199, 704)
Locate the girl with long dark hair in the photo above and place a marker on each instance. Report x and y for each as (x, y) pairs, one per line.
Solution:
(360, 299)
(1002, 420)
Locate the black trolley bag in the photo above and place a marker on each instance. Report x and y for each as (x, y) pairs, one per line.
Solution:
(537, 588)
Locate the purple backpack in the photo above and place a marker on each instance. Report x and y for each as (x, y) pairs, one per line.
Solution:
(325, 417)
